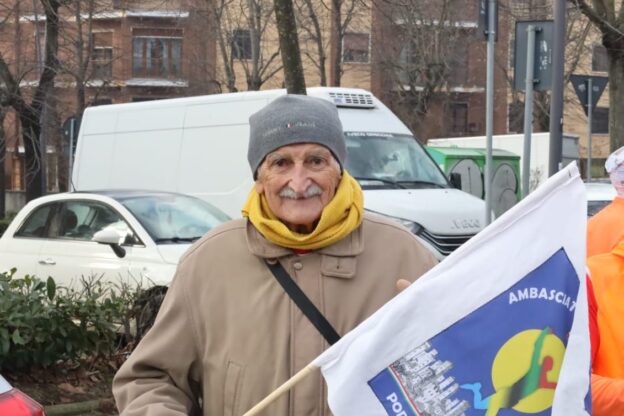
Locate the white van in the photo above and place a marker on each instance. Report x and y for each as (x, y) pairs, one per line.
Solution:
(198, 146)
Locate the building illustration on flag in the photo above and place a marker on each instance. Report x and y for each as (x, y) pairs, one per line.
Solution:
(499, 328)
(516, 369)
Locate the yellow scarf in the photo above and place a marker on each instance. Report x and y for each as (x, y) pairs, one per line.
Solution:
(340, 217)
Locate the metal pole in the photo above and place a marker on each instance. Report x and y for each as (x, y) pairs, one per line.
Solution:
(556, 94)
(590, 108)
(489, 108)
(70, 159)
(528, 110)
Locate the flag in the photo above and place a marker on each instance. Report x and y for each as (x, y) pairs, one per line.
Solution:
(500, 327)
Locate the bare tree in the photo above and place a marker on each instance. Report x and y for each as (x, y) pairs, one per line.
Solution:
(77, 47)
(29, 113)
(323, 26)
(608, 17)
(3, 112)
(342, 14)
(424, 56)
(242, 29)
(312, 18)
(289, 46)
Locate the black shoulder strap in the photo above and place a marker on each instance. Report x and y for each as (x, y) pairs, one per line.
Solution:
(304, 303)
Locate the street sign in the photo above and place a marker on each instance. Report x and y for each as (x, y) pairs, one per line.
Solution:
(483, 19)
(581, 82)
(542, 72)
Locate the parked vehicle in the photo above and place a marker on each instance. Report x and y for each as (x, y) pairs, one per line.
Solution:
(514, 143)
(599, 195)
(198, 146)
(15, 403)
(118, 234)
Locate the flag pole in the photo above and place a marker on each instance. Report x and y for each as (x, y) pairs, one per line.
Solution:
(289, 384)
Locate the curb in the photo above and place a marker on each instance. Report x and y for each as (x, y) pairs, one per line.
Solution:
(80, 408)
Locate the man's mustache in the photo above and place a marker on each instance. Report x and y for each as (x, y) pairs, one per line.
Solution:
(312, 190)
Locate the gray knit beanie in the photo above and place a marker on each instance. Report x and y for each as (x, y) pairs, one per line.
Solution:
(293, 119)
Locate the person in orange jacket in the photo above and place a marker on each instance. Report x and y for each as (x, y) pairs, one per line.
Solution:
(606, 229)
(606, 293)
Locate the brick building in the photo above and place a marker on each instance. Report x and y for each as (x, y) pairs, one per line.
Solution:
(124, 51)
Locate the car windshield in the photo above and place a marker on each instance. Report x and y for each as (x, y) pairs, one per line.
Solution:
(173, 218)
(383, 160)
(593, 207)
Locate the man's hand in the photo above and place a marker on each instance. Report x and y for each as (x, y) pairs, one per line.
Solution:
(402, 284)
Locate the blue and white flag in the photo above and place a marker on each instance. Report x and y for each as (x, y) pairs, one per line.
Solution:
(500, 327)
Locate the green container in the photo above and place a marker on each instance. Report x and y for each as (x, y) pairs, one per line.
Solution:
(470, 164)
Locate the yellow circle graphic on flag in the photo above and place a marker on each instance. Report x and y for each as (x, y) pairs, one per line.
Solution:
(525, 371)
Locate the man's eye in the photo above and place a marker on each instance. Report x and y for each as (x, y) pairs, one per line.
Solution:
(280, 163)
(317, 161)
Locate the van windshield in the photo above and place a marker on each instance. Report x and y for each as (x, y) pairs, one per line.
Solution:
(384, 160)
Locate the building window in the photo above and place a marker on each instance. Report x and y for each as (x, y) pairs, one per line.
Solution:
(600, 62)
(102, 62)
(355, 47)
(157, 53)
(241, 44)
(458, 62)
(102, 54)
(600, 120)
(407, 70)
(459, 117)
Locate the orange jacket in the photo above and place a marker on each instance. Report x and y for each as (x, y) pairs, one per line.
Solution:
(607, 278)
(606, 229)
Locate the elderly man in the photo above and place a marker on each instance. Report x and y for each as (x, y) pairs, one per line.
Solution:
(228, 333)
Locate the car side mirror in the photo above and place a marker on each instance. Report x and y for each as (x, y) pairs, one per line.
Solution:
(455, 180)
(113, 238)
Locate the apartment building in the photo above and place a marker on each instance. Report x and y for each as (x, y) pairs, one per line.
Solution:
(109, 52)
(426, 60)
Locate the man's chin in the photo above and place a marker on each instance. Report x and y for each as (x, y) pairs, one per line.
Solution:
(301, 223)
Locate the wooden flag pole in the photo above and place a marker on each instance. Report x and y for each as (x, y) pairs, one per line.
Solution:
(289, 384)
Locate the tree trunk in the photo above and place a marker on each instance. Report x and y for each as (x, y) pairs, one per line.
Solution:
(30, 116)
(33, 172)
(2, 159)
(255, 26)
(616, 95)
(289, 47)
(318, 38)
(336, 39)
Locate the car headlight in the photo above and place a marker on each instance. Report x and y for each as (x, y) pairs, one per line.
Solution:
(413, 226)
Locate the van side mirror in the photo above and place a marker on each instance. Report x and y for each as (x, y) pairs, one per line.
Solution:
(113, 238)
(455, 180)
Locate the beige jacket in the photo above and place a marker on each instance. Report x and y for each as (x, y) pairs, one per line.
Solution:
(227, 334)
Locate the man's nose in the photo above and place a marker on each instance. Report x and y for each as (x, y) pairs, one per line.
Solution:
(299, 179)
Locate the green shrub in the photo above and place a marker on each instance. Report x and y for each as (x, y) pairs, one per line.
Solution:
(4, 222)
(42, 324)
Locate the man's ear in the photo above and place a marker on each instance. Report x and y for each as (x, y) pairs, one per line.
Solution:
(259, 186)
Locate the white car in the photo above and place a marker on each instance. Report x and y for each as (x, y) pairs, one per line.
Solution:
(599, 195)
(129, 235)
